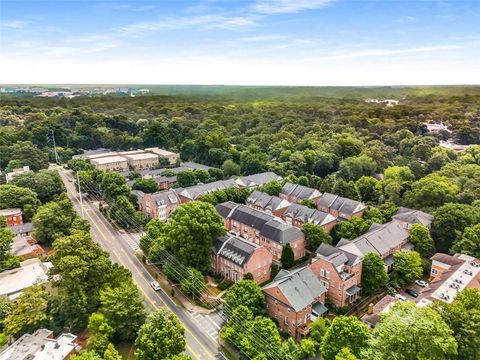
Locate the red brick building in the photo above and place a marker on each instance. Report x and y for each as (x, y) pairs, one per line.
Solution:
(295, 299)
(297, 215)
(13, 216)
(297, 193)
(270, 204)
(262, 229)
(233, 257)
(340, 272)
(406, 217)
(157, 205)
(341, 207)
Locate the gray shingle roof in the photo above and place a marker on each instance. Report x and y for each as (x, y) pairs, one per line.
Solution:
(299, 191)
(341, 204)
(266, 202)
(167, 197)
(336, 256)
(257, 179)
(412, 216)
(307, 215)
(22, 228)
(196, 191)
(379, 239)
(234, 249)
(267, 225)
(300, 287)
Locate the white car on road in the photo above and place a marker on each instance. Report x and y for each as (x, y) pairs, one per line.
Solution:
(155, 286)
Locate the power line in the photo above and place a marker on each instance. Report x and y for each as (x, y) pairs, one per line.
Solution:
(184, 272)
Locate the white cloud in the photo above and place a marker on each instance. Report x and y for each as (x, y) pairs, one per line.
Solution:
(288, 6)
(14, 24)
(203, 21)
(260, 38)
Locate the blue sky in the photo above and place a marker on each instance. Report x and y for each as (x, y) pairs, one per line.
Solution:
(254, 42)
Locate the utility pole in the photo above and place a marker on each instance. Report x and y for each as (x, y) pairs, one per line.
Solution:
(80, 195)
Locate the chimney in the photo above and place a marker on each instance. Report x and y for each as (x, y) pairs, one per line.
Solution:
(370, 309)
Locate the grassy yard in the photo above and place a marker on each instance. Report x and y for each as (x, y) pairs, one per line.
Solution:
(127, 350)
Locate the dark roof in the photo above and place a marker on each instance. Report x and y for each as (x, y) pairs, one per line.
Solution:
(308, 215)
(336, 255)
(234, 249)
(196, 191)
(341, 204)
(412, 216)
(166, 197)
(299, 191)
(266, 202)
(267, 225)
(22, 228)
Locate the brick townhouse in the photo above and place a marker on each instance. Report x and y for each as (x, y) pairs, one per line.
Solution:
(267, 203)
(382, 239)
(13, 216)
(195, 192)
(406, 217)
(296, 193)
(341, 207)
(297, 215)
(157, 205)
(295, 298)
(262, 229)
(340, 272)
(256, 180)
(233, 257)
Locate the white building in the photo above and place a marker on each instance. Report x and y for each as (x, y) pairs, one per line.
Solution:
(171, 156)
(41, 345)
(10, 175)
(31, 272)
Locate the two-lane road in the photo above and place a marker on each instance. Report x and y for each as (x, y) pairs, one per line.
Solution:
(199, 345)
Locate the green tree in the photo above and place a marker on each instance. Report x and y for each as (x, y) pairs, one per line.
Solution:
(345, 188)
(28, 313)
(190, 232)
(368, 189)
(83, 269)
(53, 220)
(12, 196)
(29, 155)
(46, 183)
(253, 161)
(407, 266)
(5, 309)
(111, 353)
(272, 188)
(261, 339)
(431, 191)
(145, 185)
(113, 185)
(463, 317)
(374, 276)
(230, 168)
(469, 242)
(315, 235)
(345, 331)
(246, 293)
(6, 240)
(287, 258)
(123, 308)
(186, 178)
(345, 354)
(353, 168)
(308, 347)
(408, 331)
(422, 240)
(86, 355)
(100, 333)
(318, 330)
(193, 284)
(450, 219)
(125, 215)
(309, 203)
(160, 337)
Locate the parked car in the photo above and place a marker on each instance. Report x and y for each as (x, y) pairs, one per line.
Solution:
(421, 283)
(155, 286)
(400, 297)
(411, 292)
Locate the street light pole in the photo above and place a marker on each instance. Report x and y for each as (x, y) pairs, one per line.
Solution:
(80, 195)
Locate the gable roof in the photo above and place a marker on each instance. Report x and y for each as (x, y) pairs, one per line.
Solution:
(22, 228)
(267, 225)
(266, 202)
(341, 204)
(300, 192)
(300, 287)
(257, 179)
(380, 239)
(234, 249)
(307, 215)
(196, 191)
(336, 256)
(413, 216)
(167, 197)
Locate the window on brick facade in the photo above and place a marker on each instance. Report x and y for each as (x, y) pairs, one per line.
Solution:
(286, 320)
